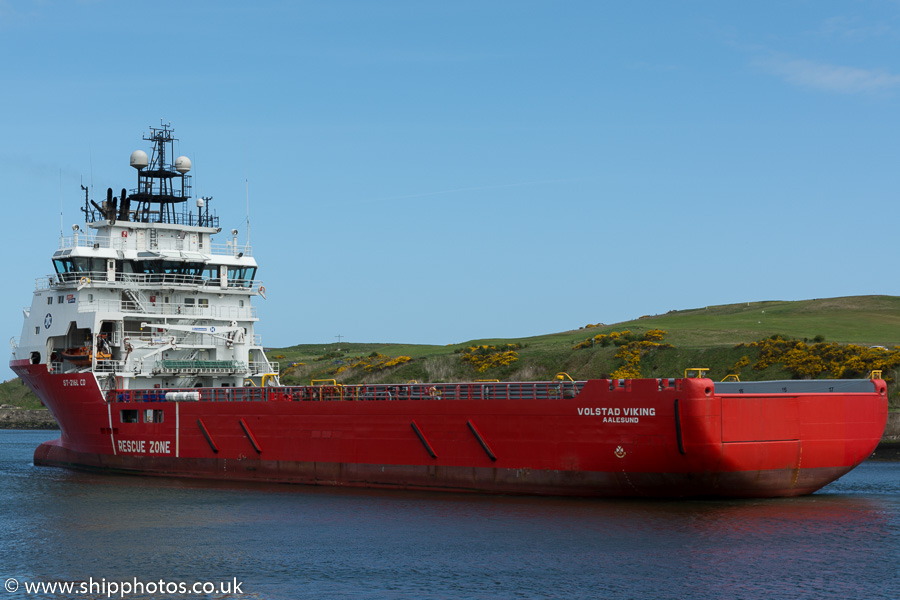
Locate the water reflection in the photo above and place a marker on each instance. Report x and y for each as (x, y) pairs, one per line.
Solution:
(291, 541)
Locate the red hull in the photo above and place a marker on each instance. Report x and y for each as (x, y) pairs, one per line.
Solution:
(643, 438)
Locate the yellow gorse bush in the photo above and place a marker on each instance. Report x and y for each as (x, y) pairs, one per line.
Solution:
(833, 360)
(631, 353)
(602, 339)
(620, 338)
(486, 357)
(631, 349)
(374, 362)
(589, 342)
(740, 364)
(655, 335)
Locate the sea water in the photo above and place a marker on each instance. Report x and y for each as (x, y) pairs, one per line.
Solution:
(105, 533)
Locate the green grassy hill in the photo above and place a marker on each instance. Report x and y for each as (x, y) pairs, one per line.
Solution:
(14, 393)
(864, 320)
(703, 337)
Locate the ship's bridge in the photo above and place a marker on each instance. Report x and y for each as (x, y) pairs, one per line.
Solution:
(151, 256)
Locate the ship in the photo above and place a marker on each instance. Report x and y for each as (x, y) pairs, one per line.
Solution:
(141, 343)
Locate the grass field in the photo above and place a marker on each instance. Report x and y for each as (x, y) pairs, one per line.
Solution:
(703, 337)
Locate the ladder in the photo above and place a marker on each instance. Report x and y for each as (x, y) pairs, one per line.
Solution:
(137, 297)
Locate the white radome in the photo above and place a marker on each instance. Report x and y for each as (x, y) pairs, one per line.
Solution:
(182, 164)
(139, 159)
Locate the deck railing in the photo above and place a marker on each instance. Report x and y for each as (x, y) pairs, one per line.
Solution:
(235, 313)
(88, 240)
(358, 393)
(258, 367)
(101, 279)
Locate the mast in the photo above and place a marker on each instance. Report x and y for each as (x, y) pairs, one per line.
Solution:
(161, 185)
(163, 189)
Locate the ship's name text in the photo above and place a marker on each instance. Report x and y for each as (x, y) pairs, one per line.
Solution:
(140, 447)
(618, 415)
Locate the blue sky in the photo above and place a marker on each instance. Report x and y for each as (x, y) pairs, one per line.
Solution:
(435, 172)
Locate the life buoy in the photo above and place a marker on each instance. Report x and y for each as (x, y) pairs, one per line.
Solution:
(85, 280)
(434, 392)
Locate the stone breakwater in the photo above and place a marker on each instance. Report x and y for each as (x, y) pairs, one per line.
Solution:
(23, 418)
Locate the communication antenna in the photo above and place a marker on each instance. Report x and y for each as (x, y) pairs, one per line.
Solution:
(247, 192)
(60, 207)
(196, 178)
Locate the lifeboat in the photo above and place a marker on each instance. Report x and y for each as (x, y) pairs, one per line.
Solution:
(81, 357)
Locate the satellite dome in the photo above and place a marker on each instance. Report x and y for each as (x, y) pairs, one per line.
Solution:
(139, 159)
(182, 164)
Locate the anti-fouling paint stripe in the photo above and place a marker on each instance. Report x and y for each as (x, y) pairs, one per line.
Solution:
(209, 439)
(250, 436)
(481, 440)
(423, 439)
(678, 427)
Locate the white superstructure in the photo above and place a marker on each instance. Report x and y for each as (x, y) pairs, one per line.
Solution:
(143, 297)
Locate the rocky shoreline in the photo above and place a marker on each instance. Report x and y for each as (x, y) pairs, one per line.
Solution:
(886, 451)
(24, 418)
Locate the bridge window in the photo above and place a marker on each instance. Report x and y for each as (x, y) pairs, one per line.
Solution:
(171, 270)
(70, 269)
(241, 276)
